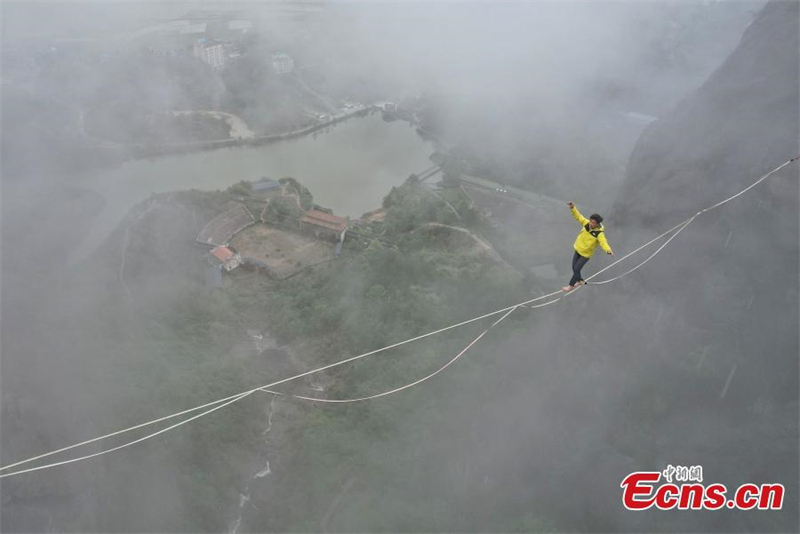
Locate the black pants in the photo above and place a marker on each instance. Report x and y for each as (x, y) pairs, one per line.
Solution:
(578, 262)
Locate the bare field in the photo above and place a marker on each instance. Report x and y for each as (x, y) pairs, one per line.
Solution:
(284, 253)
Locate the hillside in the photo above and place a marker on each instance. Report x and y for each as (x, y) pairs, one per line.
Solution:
(692, 359)
(135, 332)
(739, 124)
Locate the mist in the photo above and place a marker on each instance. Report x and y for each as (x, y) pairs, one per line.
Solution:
(125, 144)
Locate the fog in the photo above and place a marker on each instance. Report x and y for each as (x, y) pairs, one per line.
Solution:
(122, 144)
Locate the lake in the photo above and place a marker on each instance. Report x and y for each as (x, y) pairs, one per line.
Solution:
(348, 167)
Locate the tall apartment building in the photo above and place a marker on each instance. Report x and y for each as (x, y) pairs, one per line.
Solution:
(211, 52)
(282, 63)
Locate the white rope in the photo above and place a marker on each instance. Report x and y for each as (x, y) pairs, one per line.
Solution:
(9, 466)
(684, 225)
(233, 398)
(124, 445)
(751, 186)
(238, 396)
(629, 254)
(680, 227)
(412, 384)
(421, 380)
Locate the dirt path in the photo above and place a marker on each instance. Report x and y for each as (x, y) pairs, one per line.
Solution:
(440, 197)
(482, 243)
(239, 127)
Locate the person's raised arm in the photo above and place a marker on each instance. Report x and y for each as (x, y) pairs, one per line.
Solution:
(575, 213)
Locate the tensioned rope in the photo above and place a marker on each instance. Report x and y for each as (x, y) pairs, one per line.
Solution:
(412, 384)
(233, 398)
(686, 223)
(679, 227)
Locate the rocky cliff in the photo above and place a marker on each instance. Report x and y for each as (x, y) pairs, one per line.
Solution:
(692, 359)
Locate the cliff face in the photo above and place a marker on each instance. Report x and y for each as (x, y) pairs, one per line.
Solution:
(742, 122)
(718, 308)
(692, 359)
(734, 270)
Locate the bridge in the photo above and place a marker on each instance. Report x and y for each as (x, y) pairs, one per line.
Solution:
(427, 173)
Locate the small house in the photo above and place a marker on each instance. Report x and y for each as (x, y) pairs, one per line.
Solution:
(322, 224)
(226, 258)
(211, 52)
(282, 63)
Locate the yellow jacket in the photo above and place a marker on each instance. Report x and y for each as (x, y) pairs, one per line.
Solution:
(587, 240)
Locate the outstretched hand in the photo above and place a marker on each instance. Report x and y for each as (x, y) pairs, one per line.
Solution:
(610, 252)
(571, 205)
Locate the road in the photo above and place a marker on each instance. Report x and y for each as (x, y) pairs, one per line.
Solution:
(535, 200)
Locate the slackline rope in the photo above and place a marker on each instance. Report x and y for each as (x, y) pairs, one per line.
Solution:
(221, 403)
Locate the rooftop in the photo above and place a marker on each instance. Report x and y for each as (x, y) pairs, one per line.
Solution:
(222, 253)
(220, 229)
(325, 220)
(265, 184)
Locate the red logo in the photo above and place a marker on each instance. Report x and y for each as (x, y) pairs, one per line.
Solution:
(641, 491)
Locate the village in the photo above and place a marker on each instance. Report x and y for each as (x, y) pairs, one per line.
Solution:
(272, 227)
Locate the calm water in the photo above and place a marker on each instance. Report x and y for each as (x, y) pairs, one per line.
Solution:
(349, 169)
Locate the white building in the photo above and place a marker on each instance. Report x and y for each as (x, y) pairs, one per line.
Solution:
(282, 63)
(211, 52)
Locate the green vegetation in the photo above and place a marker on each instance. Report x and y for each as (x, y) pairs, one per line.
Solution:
(410, 206)
(282, 212)
(368, 299)
(194, 345)
(306, 200)
(268, 102)
(242, 189)
(255, 206)
(189, 344)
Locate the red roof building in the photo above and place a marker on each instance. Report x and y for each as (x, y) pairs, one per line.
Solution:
(322, 223)
(222, 253)
(228, 259)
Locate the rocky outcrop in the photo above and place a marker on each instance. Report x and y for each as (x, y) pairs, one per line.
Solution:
(692, 359)
(742, 122)
(718, 309)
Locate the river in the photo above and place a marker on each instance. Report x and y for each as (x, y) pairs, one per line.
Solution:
(348, 167)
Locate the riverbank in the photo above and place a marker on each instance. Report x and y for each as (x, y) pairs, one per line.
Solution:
(131, 151)
(238, 127)
(350, 168)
